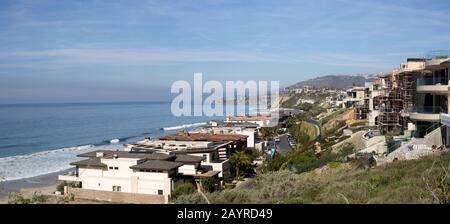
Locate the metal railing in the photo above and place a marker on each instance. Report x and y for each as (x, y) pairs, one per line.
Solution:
(432, 81)
(442, 54)
(429, 109)
(432, 128)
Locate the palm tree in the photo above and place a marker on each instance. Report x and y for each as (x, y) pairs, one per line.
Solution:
(240, 159)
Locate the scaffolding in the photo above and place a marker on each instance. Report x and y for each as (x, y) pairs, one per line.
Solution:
(396, 101)
(362, 110)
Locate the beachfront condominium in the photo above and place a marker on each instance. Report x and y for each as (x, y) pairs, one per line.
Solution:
(135, 175)
(220, 127)
(215, 149)
(149, 170)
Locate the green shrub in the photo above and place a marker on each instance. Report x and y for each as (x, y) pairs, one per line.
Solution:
(67, 198)
(276, 163)
(185, 188)
(347, 149)
(334, 165)
(207, 184)
(17, 198)
(195, 198)
(39, 198)
(359, 123)
(308, 161)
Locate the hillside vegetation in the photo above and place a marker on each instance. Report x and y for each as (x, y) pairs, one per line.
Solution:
(335, 81)
(420, 181)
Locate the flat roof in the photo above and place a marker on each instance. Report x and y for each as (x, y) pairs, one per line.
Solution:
(204, 137)
(157, 165)
(182, 158)
(108, 154)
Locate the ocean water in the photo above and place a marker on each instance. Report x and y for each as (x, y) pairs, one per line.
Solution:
(37, 139)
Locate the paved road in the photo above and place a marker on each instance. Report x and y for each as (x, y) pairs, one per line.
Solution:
(283, 146)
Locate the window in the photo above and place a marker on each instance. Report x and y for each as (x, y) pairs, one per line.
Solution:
(160, 192)
(116, 168)
(117, 188)
(111, 168)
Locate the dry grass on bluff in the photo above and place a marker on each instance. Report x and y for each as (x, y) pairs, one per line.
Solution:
(420, 181)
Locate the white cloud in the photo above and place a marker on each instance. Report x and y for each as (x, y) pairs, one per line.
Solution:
(136, 56)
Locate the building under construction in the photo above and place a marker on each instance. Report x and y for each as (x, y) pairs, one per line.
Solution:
(396, 96)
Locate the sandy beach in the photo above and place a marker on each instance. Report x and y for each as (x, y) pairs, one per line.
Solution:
(44, 184)
(28, 192)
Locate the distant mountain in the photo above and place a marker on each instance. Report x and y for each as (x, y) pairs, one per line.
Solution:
(335, 81)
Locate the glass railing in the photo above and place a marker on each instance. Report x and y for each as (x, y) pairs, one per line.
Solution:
(444, 54)
(429, 109)
(432, 81)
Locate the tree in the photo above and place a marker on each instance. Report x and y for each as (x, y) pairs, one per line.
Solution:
(240, 159)
(207, 184)
(268, 132)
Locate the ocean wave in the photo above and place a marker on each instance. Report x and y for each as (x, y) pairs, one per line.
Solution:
(184, 126)
(45, 162)
(114, 141)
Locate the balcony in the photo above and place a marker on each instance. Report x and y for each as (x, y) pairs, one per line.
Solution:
(437, 85)
(220, 165)
(427, 113)
(71, 176)
(436, 58)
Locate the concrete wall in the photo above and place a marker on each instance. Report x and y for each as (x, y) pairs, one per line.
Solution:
(187, 169)
(222, 166)
(434, 138)
(121, 197)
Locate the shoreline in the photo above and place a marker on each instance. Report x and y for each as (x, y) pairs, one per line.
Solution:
(43, 184)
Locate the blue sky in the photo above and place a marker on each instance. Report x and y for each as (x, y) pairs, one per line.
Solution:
(77, 51)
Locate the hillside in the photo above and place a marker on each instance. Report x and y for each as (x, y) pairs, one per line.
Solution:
(401, 182)
(335, 81)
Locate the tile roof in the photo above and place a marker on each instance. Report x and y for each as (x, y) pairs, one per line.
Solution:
(89, 163)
